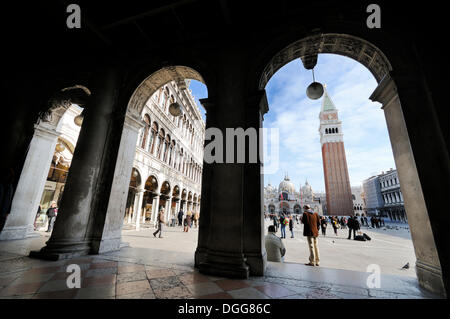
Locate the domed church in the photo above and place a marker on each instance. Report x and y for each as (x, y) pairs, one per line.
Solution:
(287, 199)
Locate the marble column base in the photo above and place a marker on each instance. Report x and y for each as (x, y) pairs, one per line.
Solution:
(430, 278)
(106, 245)
(223, 264)
(257, 263)
(17, 232)
(62, 250)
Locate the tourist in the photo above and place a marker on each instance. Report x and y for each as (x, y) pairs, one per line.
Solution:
(311, 222)
(187, 221)
(160, 223)
(38, 213)
(335, 224)
(6, 196)
(274, 246)
(275, 222)
(180, 217)
(52, 212)
(291, 226)
(283, 222)
(196, 218)
(323, 225)
(352, 227)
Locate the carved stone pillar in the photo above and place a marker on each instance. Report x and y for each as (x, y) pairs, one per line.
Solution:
(254, 246)
(428, 266)
(20, 222)
(72, 233)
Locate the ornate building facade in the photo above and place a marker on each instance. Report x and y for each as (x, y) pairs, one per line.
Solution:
(337, 182)
(168, 160)
(285, 198)
(169, 157)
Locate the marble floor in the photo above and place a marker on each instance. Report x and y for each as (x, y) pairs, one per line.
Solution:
(151, 268)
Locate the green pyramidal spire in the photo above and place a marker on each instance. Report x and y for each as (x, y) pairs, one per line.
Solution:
(327, 104)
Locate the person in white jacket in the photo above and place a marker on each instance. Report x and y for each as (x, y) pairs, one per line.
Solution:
(274, 246)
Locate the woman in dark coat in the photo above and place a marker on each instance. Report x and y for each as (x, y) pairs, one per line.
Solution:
(291, 226)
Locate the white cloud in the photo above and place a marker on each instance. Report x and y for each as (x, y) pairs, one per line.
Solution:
(349, 84)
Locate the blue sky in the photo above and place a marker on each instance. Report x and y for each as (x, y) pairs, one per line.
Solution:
(349, 85)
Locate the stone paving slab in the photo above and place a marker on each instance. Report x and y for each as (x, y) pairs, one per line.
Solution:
(135, 273)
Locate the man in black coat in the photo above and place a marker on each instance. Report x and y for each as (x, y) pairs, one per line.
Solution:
(180, 217)
(51, 213)
(351, 227)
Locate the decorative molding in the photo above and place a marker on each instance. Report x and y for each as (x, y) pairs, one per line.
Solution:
(356, 48)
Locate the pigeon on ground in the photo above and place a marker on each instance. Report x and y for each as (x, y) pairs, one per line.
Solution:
(406, 266)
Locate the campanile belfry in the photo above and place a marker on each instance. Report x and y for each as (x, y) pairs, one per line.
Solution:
(337, 182)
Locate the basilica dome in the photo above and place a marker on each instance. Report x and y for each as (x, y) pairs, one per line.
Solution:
(286, 186)
(269, 188)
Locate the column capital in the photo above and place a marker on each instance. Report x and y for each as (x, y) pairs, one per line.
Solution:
(46, 132)
(134, 121)
(385, 92)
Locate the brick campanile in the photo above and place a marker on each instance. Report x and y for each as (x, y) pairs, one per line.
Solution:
(337, 182)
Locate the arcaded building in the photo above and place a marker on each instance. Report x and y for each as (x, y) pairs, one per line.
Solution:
(125, 54)
(169, 157)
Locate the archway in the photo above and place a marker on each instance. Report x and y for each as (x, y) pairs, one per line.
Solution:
(47, 164)
(427, 265)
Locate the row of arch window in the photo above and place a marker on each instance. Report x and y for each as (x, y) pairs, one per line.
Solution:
(389, 182)
(159, 144)
(331, 130)
(163, 98)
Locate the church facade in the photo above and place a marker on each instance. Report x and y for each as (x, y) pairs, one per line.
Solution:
(287, 199)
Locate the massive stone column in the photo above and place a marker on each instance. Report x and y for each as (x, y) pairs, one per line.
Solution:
(20, 222)
(111, 235)
(223, 251)
(254, 247)
(139, 209)
(71, 235)
(155, 208)
(428, 266)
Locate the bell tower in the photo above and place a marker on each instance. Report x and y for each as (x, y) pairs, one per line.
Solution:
(337, 182)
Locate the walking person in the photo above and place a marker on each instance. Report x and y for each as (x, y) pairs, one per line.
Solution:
(52, 212)
(323, 225)
(311, 222)
(160, 223)
(291, 226)
(335, 225)
(187, 221)
(180, 217)
(196, 218)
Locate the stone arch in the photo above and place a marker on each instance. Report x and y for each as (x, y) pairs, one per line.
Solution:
(428, 264)
(156, 80)
(343, 44)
